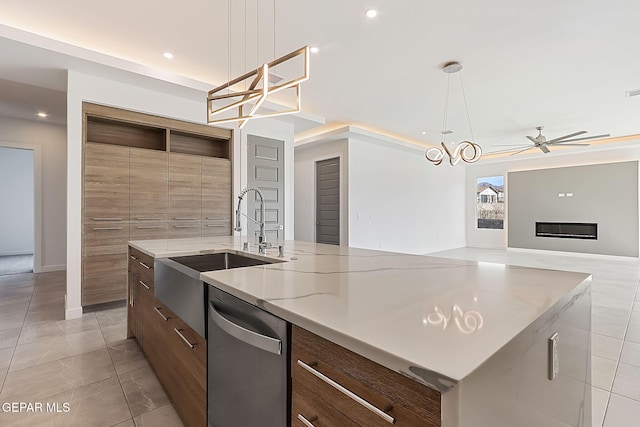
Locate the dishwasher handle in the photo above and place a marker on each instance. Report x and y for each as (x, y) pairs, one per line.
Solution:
(263, 342)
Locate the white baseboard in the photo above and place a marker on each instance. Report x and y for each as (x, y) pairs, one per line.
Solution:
(11, 253)
(50, 268)
(71, 313)
(578, 254)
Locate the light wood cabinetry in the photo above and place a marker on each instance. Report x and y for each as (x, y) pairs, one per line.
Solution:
(216, 195)
(185, 195)
(321, 372)
(146, 177)
(177, 354)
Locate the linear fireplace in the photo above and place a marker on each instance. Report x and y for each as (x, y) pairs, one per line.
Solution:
(567, 230)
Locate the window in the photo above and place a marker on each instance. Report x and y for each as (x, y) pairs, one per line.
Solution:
(490, 202)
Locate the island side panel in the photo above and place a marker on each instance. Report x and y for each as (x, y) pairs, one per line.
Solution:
(514, 385)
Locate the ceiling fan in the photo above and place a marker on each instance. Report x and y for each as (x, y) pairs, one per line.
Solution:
(543, 144)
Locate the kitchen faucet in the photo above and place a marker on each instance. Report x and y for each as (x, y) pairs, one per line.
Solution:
(262, 238)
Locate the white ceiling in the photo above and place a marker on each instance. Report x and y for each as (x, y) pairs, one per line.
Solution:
(562, 64)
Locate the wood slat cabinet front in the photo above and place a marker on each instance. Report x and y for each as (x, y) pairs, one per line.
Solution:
(142, 179)
(216, 197)
(177, 354)
(319, 365)
(140, 291)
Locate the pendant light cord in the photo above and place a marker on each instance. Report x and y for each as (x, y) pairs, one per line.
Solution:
(464, 96)
(446, 109)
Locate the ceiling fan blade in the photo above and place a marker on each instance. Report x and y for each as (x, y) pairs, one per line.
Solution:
(585, 138)
(576, 145)
(554, 140)
(509, 145)
(532, 139)
(544, 149)
(520, 151)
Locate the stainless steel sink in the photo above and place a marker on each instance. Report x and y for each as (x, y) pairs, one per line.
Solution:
(219, 261)
(178, 284)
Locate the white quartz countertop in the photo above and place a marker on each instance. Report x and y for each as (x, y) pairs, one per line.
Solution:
(433, 319)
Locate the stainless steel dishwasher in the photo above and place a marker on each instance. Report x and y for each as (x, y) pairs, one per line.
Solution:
(248, 370)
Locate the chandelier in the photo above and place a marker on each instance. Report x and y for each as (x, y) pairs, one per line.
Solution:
(467, 151)
(242, 104)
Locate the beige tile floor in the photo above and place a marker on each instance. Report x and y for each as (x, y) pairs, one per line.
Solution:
(87, 363)
(615, 324)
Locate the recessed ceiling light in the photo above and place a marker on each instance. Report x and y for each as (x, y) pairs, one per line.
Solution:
(424, 132)
(43, 115)
(314, 49)
(371, 13)
(168, 55)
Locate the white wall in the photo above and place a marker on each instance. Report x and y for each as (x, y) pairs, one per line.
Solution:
(17, 198)
(48, 143)
(400, 202)
(498, 238)
(167, 100)
(306, 157)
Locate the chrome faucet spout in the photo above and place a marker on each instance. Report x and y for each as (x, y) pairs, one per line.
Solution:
(262, 240)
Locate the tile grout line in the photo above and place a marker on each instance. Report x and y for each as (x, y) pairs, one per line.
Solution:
(35, 282)
(615, 374)
(115, 371)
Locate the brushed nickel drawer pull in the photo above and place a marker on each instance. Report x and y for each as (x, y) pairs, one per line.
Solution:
(185, 219)
(218, 219)
(147, 227)
(388, 418)
(185, 226)
(107, 219)
(307, 422)
(144, 284)
(132, 257)
(157, 309)
(216, 225)
(148, 219)
(106, 228)
(183, 337)
(145, 265)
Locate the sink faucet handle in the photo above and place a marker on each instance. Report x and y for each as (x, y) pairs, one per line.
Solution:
(280, 251)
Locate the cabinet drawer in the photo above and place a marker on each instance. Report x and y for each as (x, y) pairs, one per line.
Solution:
(166, 352)
(183, 229)
(216, 228)
(141, 264)
(106, 238)
(306, 404)
(148, 230)
(316, 363)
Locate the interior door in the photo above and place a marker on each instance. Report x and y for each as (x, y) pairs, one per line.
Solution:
(265, 163)
(328, 201)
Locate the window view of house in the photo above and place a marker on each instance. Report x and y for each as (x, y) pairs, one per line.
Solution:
(490, 202)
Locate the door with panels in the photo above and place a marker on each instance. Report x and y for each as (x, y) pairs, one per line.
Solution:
(265, 170)
(328, 201)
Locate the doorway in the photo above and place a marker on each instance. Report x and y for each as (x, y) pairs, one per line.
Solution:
(17, 221)
(265, 170)
(328, 201)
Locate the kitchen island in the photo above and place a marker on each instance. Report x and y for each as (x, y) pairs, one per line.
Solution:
(477, 333)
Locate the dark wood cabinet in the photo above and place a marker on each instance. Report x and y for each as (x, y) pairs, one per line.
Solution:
(177, 354)
(320, 368)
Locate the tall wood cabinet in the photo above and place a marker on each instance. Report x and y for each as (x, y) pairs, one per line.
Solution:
(147, 177)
